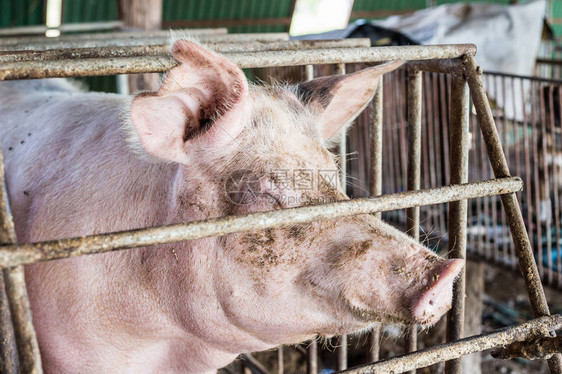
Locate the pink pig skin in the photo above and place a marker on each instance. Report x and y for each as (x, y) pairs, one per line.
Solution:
(86, 163)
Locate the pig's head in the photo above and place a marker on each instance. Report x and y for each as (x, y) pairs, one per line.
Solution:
(239, 149)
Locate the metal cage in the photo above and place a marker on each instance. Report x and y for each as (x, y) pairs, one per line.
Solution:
(91, 55)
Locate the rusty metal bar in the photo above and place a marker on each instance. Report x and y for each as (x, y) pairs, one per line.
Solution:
(449, 66)
(312, 358)
(414, 175)
(340, 69)
(375, 189)
(458, 156)
(164, 49)
(312, 348)
(9, 363)
(138, 34)
(27, 253)
(342, 346)
(252, 363)
(65, 27)
(280, 361)
(139, 64)
(16, 292)
(539, 348)
(516, 224)
(140, 40)
(452, 350)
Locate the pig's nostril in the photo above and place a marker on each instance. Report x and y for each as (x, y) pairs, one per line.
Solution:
(436, 299)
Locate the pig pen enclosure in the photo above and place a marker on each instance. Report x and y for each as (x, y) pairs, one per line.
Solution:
(443, 80)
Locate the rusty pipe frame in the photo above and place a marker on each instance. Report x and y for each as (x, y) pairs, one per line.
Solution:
(312, 347)
(49, 43)
(16, 300)
(414, 175)
(27, 253)
(138, 64)
(375, 189)
(139, 34)
(458, 160)
(539, 348)
(452, 350)
(342, 343)
(515, 221)
(164, 49)
(65, 27)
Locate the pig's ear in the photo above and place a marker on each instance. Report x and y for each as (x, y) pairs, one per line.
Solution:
(338, 99)
(200, 100)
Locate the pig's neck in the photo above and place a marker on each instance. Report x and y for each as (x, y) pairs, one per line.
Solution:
(176, 285)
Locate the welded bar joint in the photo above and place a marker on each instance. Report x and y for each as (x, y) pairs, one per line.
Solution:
(533, 349)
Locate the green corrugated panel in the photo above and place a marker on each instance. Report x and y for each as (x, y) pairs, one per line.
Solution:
(176, 10)
(367, 5)
(556, 13)
(21, 12)
(504, 2)
(75, 11)
(89, 10)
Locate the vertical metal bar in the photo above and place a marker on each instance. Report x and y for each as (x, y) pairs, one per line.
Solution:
(312, 349)
(517, 142)
(27, 347)
(375, 188)
(494, 236)
(498, 161)
(528, 169)
(487, 202)
(340, 69)
(553, 179)
(427, 148)
(558, 228)
(414, 156)
(536, 179)
(280, 361)
(311, 358)
(544, 187)
(342, 346)
(458, 132)
(9, 363)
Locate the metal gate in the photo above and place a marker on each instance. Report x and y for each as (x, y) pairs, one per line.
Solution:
(89, 56)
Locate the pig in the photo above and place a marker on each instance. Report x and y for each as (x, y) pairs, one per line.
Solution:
(82, 163)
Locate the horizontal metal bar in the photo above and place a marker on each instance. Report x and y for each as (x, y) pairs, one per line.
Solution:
(65, 27)
(139, 34)
(548, 61)
(256, 366)
(539, 348)
(148, 64)
(448, 351)
(342, 55)
(164, 49)
(140, 40)
(84, 68)
(21, 254)
(449, 66)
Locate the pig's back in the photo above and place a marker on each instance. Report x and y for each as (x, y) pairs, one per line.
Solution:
(69, 169)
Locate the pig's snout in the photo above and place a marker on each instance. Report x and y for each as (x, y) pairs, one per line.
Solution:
(436, 298)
